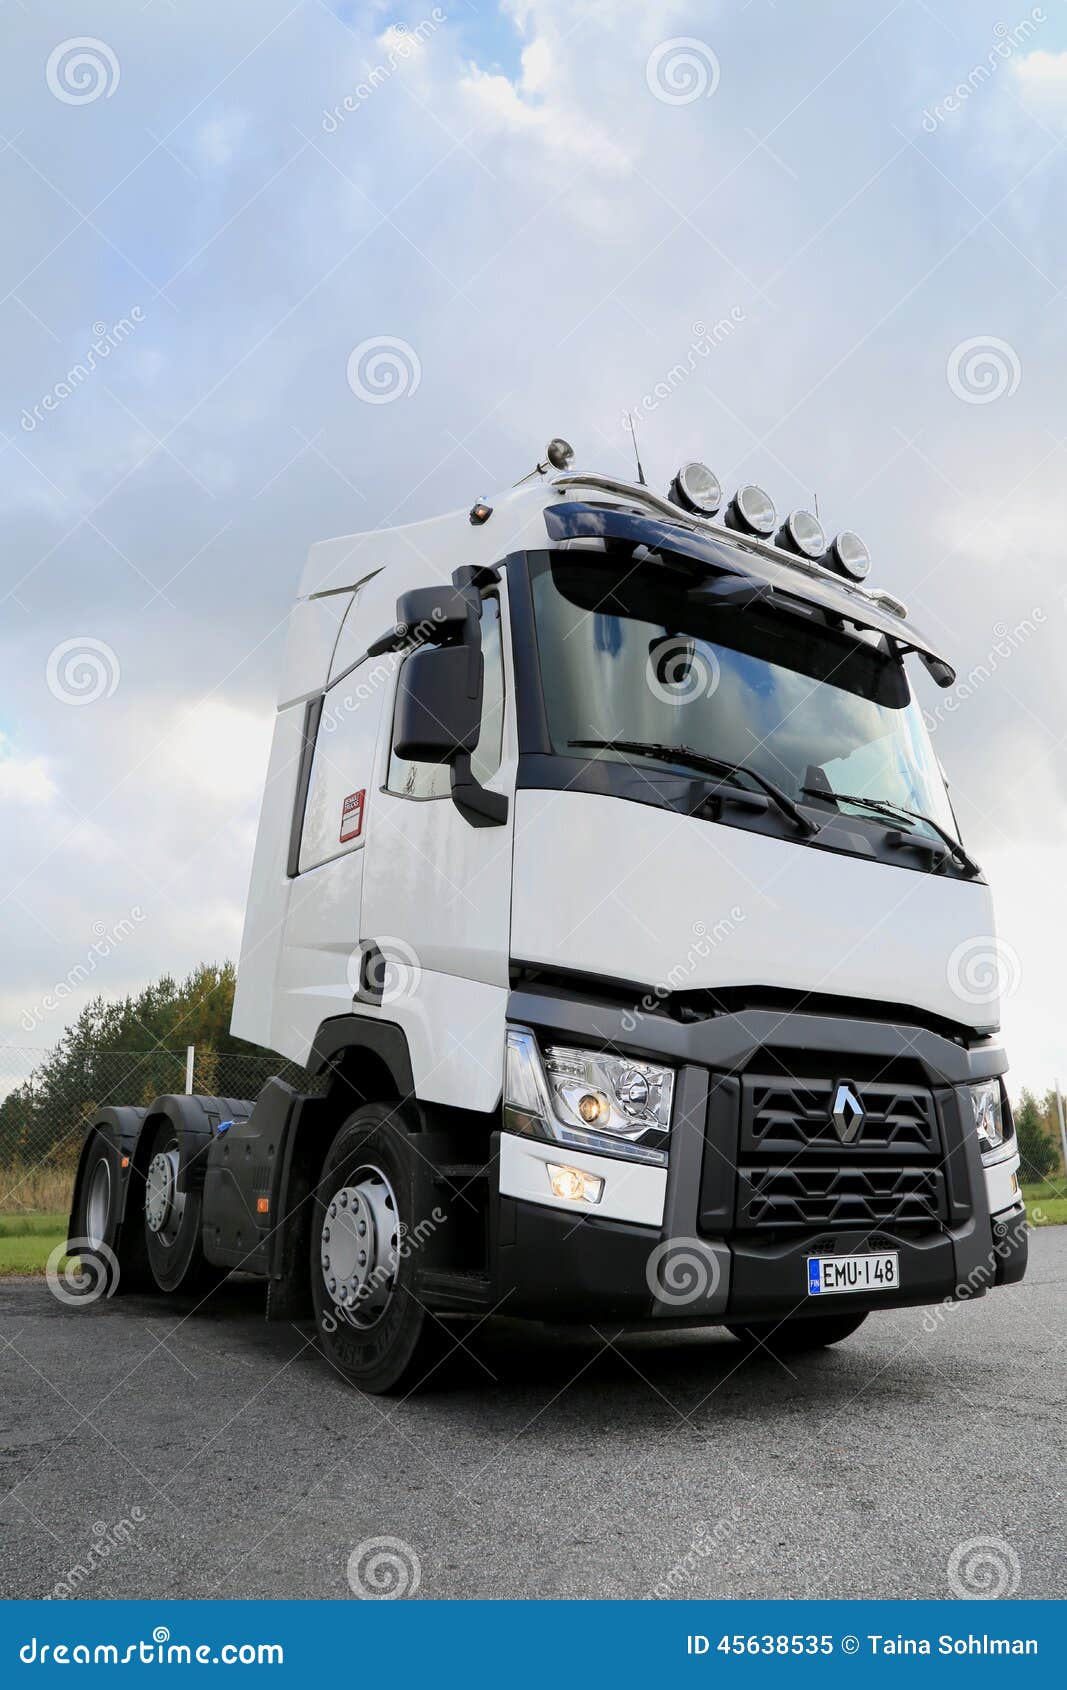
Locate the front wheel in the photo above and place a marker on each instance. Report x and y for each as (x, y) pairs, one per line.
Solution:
(370, 1325)
(794, 1335)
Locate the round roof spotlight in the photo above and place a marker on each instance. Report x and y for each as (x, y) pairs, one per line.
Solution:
(696, 489)
(850, 555)
(752, 511)
(802, 532)
(560, 453)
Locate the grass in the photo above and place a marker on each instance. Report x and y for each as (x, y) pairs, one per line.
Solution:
(27, 1241)
(41, 1189)
(1046, 1203)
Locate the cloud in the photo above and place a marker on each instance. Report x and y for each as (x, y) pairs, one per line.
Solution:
(23, 780)
(517, 205)
(1042, 80)
(538, 107)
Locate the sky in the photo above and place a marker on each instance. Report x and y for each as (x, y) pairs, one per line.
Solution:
(319, 268)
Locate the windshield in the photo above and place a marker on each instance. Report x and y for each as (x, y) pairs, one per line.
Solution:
(647, 657)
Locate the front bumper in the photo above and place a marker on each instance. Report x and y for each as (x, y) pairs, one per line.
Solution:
(706, 1261)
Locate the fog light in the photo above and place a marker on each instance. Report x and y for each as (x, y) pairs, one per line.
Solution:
(574, 1185)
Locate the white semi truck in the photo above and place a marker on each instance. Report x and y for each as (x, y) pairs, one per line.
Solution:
(607, 883)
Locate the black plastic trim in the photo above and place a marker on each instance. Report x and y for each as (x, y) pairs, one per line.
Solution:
(358, 1032)
(728, 1042)
(708, 801)
(309, 733)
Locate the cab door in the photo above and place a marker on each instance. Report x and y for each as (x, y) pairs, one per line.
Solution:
(319, 960)
(437, 896)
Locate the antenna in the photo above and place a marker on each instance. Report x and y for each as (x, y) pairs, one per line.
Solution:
(641, 482)
(817, 516)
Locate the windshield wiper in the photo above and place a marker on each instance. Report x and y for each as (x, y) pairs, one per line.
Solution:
(884, 807)
(693, 759)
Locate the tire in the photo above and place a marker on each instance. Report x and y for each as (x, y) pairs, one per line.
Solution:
(96, 1214)
(171, 1221)
(369, 1324)
(793, 1335)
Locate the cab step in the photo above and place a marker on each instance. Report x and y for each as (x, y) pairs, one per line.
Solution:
(461, 1292)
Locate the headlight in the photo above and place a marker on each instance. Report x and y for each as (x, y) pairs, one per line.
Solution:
(991, 1123)
(589, 1099)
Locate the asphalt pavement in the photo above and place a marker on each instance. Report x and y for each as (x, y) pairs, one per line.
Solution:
(150, 1449)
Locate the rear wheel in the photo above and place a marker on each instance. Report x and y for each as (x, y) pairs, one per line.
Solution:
(370, 1325)
(172, 1221)
(99, 1200)
(96, 1216)
(794, 1335)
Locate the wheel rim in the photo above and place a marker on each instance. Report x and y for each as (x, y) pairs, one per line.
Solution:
(164, 1204)
(361, 1247)
(98, 1204)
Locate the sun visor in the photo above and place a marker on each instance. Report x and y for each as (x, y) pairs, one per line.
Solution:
(578, 521)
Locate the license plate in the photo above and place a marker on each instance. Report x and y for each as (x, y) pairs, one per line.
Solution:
(827, 1274)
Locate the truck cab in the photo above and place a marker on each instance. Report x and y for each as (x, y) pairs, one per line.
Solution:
(608, 881)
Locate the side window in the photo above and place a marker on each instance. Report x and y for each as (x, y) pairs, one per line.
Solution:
(434, 780)
(342, 764)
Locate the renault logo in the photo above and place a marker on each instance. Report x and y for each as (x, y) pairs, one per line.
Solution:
(847, 1113)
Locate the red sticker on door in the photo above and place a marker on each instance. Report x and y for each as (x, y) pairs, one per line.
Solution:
(352, 816)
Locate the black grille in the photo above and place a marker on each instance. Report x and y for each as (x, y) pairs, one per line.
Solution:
(783, 1116)
(809, 1194)
(795, 1172)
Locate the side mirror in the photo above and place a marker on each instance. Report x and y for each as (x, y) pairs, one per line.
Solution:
(426, 616)
(438, 714)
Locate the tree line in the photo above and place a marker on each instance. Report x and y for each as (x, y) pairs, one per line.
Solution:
(132, 1050)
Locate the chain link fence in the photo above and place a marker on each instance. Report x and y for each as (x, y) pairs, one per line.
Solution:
(46, 1100)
